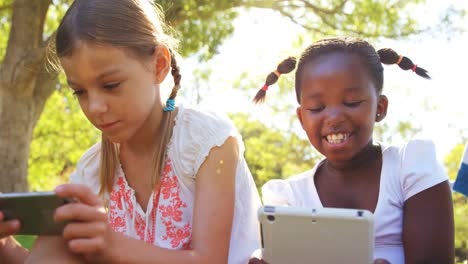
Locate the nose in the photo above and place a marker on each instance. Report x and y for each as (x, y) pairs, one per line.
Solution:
(334, 117)
(97, 104)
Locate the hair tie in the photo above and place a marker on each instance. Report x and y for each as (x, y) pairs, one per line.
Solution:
(265, 88)
(277, 73)
(399, 59)
(414, 67)
(170, 105)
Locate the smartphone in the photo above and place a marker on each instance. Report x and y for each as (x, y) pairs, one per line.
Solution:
(35, 211)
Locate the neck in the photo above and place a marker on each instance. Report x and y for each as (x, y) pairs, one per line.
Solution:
(362, 160)
(146, 138)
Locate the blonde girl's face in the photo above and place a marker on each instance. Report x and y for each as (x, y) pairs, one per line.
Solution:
(339, 105)
(116, 91)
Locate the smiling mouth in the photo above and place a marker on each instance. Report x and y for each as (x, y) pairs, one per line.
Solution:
(337, 138)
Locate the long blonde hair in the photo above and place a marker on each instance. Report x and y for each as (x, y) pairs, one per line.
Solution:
(137, 26)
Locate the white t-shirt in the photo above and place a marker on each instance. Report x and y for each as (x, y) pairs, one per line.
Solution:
(406, 171)
(168, 219)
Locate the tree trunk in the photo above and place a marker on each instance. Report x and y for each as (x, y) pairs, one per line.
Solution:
(25, 85)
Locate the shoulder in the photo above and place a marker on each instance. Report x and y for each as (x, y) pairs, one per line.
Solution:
(196, 132)
(420, 167)
(284, 191)
(203, 120)
(412, 152)
(87, 168)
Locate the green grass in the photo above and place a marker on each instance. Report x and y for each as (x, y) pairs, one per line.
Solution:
(26, 241)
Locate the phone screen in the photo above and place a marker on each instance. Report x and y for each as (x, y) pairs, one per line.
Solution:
(34, 210)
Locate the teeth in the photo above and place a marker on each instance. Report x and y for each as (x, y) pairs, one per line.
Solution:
(337, 138)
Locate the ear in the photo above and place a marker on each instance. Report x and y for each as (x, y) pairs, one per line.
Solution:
(162, 61)
(382, 106)
(299, 115)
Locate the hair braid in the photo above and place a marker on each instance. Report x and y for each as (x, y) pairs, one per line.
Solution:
(175, 71)
(166, 128)
(389, 56)
(286, 66)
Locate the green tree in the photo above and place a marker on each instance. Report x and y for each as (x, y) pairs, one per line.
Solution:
(272, 153)
(26, 83)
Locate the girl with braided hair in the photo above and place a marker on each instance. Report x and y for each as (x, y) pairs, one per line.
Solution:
(166, 184)
(339, 84)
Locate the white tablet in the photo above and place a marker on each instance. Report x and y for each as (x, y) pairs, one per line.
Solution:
(296, 235)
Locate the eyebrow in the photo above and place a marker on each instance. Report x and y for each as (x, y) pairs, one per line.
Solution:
(314, 96)
(352, 89)
(108, 72)
(100, 76)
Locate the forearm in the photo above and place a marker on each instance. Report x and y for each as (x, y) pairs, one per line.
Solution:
(13, 252)
(142, 252)
(50, 249)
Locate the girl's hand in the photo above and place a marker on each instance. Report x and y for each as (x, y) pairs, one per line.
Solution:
(255, 260)
(89, 233)
(7, 228)
(381, 261)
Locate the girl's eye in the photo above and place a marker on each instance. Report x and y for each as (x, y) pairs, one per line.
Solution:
(111, 86)
(353, 104)
(317, 109)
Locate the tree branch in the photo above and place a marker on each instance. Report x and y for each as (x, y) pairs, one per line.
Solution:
(25, 51)
(318, 9)
(293, 19)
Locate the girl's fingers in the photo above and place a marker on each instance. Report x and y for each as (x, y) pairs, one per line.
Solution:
(82, 192)
(79, 230)
(87, 246)
(381, 261)
(8, 228)
(80, 212)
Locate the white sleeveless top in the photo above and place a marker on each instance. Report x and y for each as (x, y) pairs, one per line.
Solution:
(406, 171)
(167, 222)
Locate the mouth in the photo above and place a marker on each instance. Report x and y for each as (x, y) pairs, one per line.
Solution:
(337, 138)
(108, 125)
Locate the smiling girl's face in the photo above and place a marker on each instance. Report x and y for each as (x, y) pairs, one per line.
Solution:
(338, 105)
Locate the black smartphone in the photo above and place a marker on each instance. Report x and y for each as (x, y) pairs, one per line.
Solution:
(34, 210)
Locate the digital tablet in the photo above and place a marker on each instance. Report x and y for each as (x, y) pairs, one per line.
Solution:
(296, 235)
(34, 210)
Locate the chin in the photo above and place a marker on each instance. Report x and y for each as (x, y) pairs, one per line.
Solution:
(117, 139)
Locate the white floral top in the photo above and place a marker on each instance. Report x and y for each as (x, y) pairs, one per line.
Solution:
(167, 221)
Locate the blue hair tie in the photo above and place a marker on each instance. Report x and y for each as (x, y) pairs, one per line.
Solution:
(170, 105)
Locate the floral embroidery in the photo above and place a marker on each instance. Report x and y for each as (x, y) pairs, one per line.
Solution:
(116, 220)
(171, 212)
(167, 210)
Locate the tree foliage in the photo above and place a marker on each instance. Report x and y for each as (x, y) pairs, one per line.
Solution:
(62, 135)
(272, 153)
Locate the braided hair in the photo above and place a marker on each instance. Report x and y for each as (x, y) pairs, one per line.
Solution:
(371, 58)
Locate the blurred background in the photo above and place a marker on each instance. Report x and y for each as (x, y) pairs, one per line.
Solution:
(227, 48)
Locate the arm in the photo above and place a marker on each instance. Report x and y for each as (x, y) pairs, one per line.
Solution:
(10, 249)
(211, 231)
(428, 228)
(51, 249)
